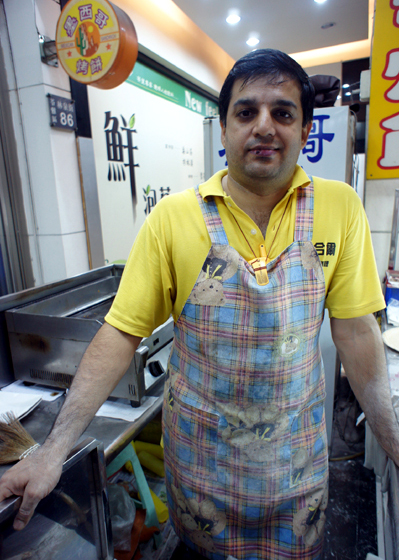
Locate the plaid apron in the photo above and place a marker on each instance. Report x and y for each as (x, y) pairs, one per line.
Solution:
(244, 426)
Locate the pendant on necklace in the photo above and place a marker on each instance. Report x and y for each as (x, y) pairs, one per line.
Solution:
(259, 266)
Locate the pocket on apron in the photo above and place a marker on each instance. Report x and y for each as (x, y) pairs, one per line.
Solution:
(308, 445)
(193, 437)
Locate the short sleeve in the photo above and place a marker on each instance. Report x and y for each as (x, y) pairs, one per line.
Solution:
(355, 287)
(146, 292)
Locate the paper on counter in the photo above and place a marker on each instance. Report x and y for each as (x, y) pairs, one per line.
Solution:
(393, 312)
(45, 393)
(124, 411)
(18, 403)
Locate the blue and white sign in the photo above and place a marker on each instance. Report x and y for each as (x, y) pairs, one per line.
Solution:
(326, 152)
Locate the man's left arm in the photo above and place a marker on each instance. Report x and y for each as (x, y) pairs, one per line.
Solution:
(360, 347)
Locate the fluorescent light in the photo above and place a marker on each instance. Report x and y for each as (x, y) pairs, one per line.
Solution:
(252, 42)
(319, 1)
(345, 86)
(348, 93)
(233, 18)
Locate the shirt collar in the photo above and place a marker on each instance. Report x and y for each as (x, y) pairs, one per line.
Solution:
(213, 186)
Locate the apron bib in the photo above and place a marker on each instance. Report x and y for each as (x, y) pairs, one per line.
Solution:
(244, 427)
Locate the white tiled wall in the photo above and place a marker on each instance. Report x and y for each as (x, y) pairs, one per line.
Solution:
(381, 244)
(67, 182)
(52, 257)
(47, 157)
(379, 205)
(33, 107)
(75, 252)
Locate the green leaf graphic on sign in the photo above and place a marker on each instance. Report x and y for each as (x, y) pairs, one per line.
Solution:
(148, 189)
(132, 121)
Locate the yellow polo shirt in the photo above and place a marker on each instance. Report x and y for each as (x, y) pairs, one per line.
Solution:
(173, 243)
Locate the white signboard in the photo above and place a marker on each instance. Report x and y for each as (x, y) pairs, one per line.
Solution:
(148, 143)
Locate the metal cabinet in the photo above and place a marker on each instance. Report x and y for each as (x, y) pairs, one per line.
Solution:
(73, 522)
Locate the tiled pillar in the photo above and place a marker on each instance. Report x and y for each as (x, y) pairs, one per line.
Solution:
(48, 162)
(379, 205)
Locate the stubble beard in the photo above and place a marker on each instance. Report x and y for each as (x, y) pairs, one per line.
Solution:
(262, 178)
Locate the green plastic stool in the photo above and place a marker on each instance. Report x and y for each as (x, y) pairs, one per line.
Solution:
(129, 454)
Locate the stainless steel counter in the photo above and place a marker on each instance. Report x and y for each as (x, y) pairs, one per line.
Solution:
(115, 434)
(51, 322)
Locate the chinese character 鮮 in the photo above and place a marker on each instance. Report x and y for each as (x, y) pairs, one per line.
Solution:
(120, 150)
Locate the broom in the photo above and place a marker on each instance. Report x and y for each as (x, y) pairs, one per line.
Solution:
(15, 442)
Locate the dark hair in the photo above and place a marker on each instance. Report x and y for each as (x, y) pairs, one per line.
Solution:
(273, 64)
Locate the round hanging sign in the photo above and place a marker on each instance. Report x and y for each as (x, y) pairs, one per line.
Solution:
(96, 43)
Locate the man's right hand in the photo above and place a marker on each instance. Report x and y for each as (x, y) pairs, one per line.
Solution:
(33, 478)
(102, 367)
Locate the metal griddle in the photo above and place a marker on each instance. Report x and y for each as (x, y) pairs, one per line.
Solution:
(49, 336)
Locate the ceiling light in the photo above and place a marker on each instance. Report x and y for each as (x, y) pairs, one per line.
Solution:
(348, 93)
(252, 42)
(319, 1)
(233, 18)
(345, 86)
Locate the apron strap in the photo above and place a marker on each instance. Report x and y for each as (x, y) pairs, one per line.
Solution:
(212, 219)
(304, 213)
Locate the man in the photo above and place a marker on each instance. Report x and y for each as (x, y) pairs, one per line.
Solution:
(234, 262)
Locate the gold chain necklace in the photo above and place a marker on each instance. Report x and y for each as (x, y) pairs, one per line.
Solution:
(259, 264)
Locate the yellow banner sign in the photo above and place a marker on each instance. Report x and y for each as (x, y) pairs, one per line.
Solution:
(87, 39)
(383, 134)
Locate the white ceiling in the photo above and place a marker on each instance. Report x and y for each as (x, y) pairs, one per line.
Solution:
(289, 25)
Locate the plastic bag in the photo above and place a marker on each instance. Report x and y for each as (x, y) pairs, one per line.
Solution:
(123, 512)
(393, 312)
